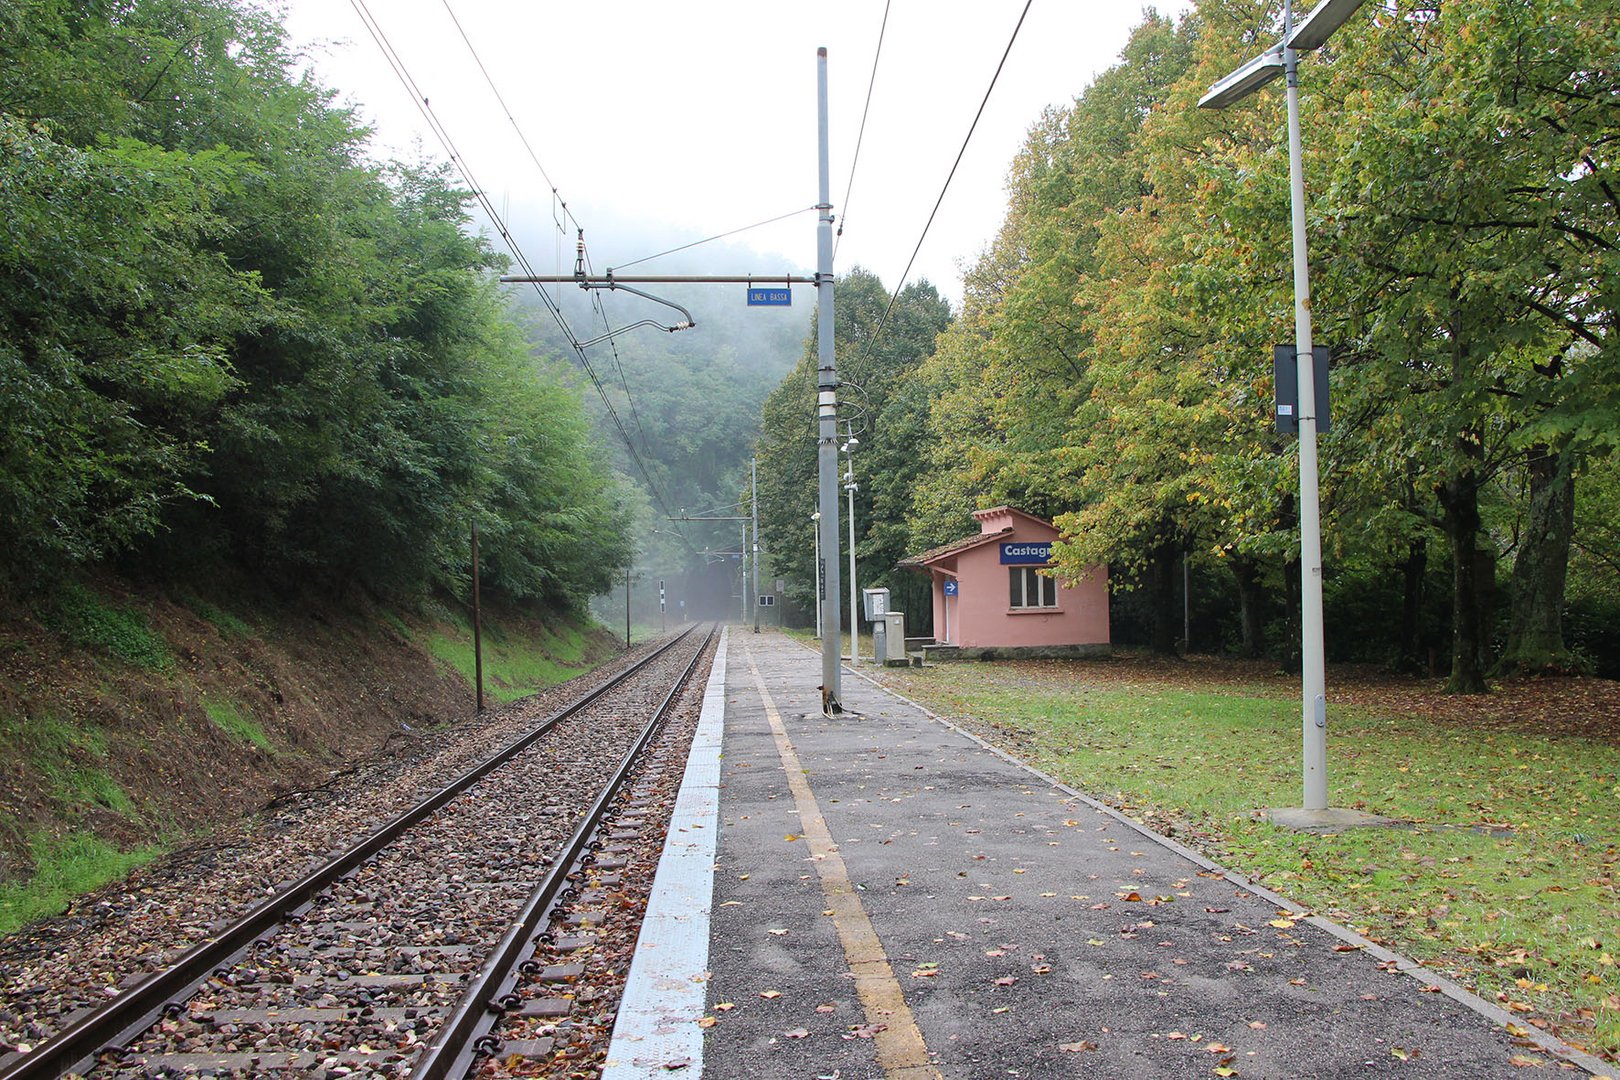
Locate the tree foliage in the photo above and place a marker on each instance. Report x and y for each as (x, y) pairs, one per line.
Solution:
(1111, 366)
(224, 333)
(875, 359)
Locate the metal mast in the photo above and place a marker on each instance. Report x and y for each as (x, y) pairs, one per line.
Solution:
(753, 502)
(827, 409)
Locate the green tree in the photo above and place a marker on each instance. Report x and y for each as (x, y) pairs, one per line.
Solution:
(873, 357)
(116, 321)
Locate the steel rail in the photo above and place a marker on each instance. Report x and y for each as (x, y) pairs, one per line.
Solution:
(461, 1039)
(136, 1009)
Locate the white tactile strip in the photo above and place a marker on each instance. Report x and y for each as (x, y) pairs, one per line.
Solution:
(657, 1030)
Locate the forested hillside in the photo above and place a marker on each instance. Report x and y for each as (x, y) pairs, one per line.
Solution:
(256, 390)
(1111, 366)
(224, 334)
(685, 413)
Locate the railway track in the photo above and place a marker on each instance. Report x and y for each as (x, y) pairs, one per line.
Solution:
(399, 955)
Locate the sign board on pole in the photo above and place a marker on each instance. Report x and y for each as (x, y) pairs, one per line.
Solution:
(951, 587)
(1285, 374)
(767, 600)
(770, 297)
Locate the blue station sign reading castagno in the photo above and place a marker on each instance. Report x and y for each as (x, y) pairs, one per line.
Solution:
(1026, 553)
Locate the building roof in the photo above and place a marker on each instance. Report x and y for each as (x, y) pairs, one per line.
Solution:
(922, 560)
(987, 520)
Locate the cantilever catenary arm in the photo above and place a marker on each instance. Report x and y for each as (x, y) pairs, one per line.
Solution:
(611, 284)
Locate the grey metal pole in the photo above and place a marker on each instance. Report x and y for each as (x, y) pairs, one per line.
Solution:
(478, 625)
(854, 596)
(827, 402)
(815, 531)
(753, 501)
(1312, 653)
(742, 565)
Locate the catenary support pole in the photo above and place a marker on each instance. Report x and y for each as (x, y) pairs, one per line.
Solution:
(826, 404)
(815, 531)
(1313, 662)
(753, 502)
(627, 607)
(854, 598)
(478, 625)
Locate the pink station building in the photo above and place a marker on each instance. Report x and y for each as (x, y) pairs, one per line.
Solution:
(990, 600)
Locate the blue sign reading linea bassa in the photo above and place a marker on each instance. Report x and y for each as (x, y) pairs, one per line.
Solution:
(1026, 553)
(764, 297)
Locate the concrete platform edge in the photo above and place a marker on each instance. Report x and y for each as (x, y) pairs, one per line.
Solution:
(656, 1028)
(1404, 964)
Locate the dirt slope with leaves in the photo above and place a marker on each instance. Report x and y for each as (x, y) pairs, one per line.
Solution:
(133, 718)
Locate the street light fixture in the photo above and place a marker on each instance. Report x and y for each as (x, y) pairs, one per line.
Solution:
(1245, 80)
(1283, 58)
(1319, 25)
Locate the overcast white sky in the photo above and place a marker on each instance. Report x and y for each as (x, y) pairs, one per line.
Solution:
(662, 123)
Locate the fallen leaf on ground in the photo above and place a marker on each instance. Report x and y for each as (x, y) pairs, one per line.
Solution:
(796, 1033)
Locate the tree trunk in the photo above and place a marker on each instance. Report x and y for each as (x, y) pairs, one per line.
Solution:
(1290, 653)
(1459, 503)
(1535, 623)
(1413, 653)
(1162, 594)
(1251, 607)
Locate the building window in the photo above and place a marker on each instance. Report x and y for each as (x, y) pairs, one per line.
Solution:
(1030, 589)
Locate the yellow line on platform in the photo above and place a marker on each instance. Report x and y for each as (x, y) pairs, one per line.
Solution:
(901, 1052)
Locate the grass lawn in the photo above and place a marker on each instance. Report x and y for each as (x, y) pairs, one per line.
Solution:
(1506, 879)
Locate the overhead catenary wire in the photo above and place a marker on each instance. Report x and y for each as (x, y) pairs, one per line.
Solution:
(493, 89)
(860, 136)
(871, 342)
(559, 201)
(711, 239)
(402, 72)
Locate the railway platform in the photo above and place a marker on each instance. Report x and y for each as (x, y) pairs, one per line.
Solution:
(878, 894)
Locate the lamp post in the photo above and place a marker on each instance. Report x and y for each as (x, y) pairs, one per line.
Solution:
(815, 529)
(851, 487)
(1283, 59)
